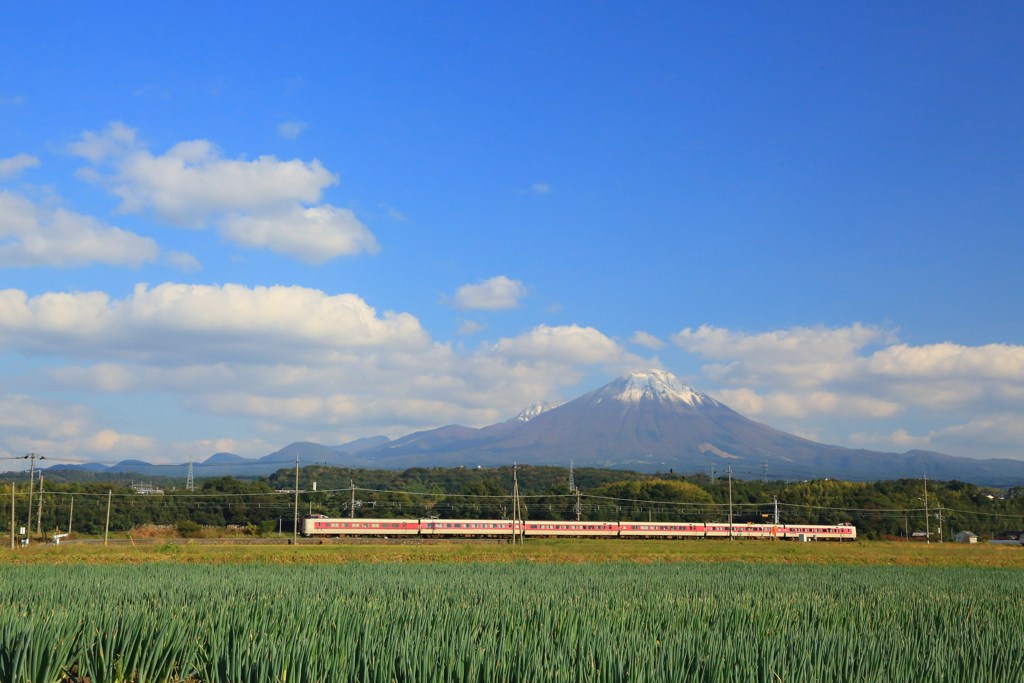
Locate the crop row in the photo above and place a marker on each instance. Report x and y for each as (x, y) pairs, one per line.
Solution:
(508, 622)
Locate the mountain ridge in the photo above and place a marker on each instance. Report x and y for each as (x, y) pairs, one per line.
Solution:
(646, 421)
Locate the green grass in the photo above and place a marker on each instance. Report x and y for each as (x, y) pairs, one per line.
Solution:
(556, 551)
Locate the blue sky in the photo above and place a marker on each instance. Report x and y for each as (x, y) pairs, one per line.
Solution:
(231, 228)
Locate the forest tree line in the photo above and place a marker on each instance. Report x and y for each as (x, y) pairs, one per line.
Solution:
(266, 505)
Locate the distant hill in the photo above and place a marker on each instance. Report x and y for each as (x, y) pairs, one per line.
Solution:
(225, 459)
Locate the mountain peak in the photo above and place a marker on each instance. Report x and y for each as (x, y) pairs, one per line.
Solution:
(533, 410)
(655, 385)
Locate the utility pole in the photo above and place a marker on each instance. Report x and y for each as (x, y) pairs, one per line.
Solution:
(106, 529)
(516, 516)
(295, 530)
(31, 457)
(927, 531)
(352, 502)
(939, 515)
(12, 515)
(39, 512)
(71, 513)
(730, 502)
(574, 489)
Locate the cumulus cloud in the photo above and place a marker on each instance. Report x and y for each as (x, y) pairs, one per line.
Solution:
(494, 294)
(295, 364)
(32, 235)
(264, 202)
(11, 167)
(60, 431)
(800, 344)
(647, 340)
(117, 140)
(314, 234)
(566, 344)
(864, 372)
(985, 436)
(801, 405)
(200, 321)
(948, 360)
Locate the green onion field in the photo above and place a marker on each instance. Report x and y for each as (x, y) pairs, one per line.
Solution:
(517, 621)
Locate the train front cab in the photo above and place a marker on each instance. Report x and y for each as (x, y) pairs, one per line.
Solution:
(320, 525)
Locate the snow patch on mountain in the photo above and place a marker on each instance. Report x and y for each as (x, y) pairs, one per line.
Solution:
(657, 385)
(533, 410)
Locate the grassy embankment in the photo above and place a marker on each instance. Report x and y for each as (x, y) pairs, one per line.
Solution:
(555, 551)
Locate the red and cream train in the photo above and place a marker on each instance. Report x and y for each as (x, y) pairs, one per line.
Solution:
(321, 525)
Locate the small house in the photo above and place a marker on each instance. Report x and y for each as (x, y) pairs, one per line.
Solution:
(965, 537)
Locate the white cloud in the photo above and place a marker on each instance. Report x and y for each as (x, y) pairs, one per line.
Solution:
(494, 294)
(801, 344)
(801, 405)
(899, 440)
(12, 166)
(541, 188)
(647, 340)
(862, 374)
(393, 213)
(107, 441)
(467, 327)
(174, 321)
(25, 413)
(51, 428)
(992, 361)
(293, 363)
(191, 183)
(570, 344)
(315, 234)
(290, 130)
(117, 140)
(989, 436)
(183, 261)
(264, 202)
(32, 235)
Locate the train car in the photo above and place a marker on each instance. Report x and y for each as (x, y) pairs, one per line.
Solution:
(818, 532)
(1008, 538)
(564, 528)
(662, 529)
(321, 525)
(842, 532)
(468, 528)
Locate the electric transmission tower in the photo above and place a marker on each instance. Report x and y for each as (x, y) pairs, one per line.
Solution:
(190, 482)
